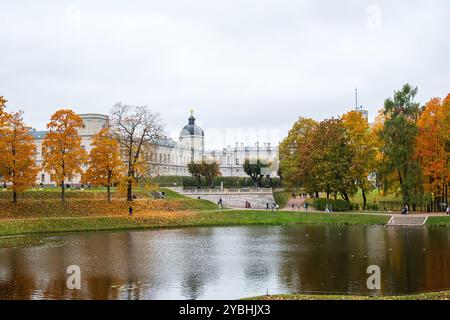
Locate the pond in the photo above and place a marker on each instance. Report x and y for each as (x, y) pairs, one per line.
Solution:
(225, 262)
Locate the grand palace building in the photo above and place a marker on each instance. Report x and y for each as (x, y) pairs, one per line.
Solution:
(169, 157)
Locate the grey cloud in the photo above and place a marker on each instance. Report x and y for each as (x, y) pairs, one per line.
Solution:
(249, 63)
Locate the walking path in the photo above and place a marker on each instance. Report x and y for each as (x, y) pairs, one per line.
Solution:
(297, 202)
(414, 219)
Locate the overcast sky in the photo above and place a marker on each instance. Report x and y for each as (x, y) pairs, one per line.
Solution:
(242, 65)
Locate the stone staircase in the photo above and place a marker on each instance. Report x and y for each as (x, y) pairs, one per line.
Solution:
(258, 200)
(403, 220)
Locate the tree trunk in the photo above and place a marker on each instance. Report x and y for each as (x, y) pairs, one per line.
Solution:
(364, 199)
(345, 196)
(108, 188)
(129, 192)
(63, 189)
(14, 196)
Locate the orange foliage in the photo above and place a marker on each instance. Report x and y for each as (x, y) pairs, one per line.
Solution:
(105, 165)
(38, 208)
(63, 155)
(17, 150)
(430, 145)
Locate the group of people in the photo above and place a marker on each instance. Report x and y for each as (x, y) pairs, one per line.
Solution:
(405, 210)
(299, 206)
(271, 206)
(248, 205)
(301, 195)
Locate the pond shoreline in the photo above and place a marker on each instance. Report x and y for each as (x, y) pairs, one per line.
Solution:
(35, 225)
(182, 219)
(437, 295)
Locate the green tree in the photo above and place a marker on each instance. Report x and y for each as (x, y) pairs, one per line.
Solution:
(207, 170)
(398, 138)
(195, 169)
(255, 170)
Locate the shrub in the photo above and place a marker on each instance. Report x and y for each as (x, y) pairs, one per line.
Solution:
(335, 205)
(228, 182)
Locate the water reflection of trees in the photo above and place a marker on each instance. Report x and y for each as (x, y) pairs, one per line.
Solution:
(335, 259)
(193, 263)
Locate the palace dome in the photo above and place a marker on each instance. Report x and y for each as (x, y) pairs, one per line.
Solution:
(191, 129)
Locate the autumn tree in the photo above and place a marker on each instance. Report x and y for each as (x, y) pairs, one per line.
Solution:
(294, 154)
(105, 165)
(3, 102)
(430, 148)
(398, 139)
(17, 151)
(63, 155)
(3, 116)
(136, 129)
(362, 141)
(210, 170)
(446, 105)
(332, 159)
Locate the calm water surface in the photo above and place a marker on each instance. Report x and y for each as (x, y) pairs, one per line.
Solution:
(228, 263)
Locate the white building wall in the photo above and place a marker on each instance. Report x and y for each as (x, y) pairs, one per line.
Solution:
(170, 158)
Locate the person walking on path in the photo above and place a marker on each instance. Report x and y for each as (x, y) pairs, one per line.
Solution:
(405, 209)
(448, 210)
(267, 206)
(130, 211)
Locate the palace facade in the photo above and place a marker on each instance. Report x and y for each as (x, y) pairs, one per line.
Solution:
(169, 157)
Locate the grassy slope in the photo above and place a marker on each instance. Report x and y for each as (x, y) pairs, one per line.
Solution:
(281, 198)
(440, 295)
(46, 203)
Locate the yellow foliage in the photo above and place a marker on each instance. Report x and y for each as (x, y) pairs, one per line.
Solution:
(105, 165)
(62, 151)
(17, 150)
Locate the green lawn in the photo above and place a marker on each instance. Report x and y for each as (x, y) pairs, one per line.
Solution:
(438, 221)
(440, 295)
(373, 197)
